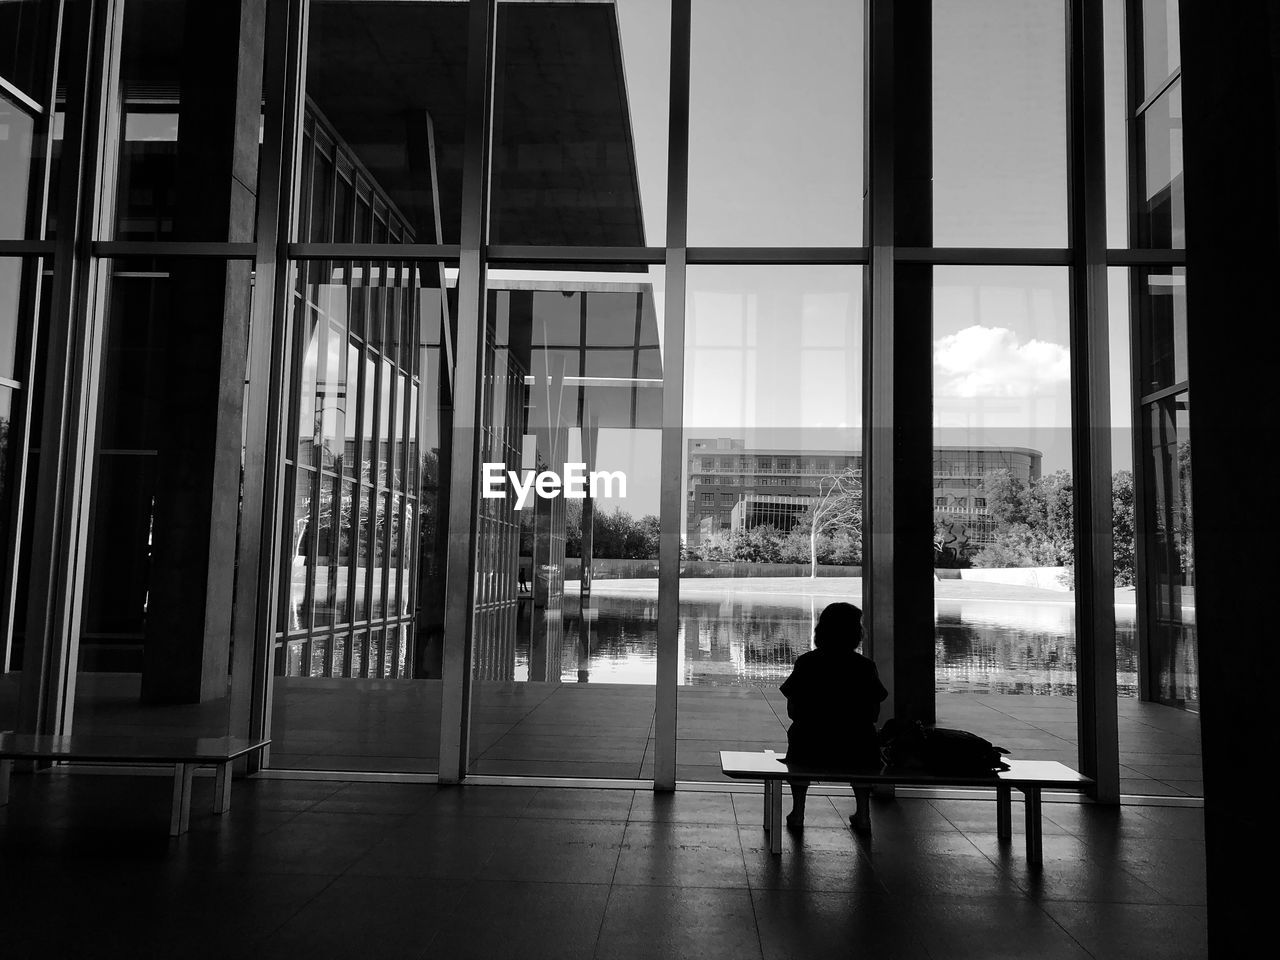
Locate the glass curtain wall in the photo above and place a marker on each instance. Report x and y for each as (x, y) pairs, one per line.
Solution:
(1160, 746)
(27, 108)
(184, 102)
(568, 226)
(565, 631)
(358, 643)
(771, 471)
(1005, 618)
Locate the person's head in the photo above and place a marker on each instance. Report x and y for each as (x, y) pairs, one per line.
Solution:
(839, 627)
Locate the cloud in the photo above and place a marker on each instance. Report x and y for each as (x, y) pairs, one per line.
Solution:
(983, 361)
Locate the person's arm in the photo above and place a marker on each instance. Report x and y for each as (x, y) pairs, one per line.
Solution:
(877, 694)
(793, 689)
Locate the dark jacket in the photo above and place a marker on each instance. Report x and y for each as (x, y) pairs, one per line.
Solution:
(833, 700)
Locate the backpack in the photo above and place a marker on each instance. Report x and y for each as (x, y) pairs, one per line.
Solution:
(940, 750)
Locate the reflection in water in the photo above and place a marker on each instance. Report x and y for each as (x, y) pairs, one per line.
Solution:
(981, 646)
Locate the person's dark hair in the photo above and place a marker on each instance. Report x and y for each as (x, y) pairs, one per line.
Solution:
(839, 627)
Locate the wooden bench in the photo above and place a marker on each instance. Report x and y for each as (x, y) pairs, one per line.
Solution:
(1028, 776)
(184, 753)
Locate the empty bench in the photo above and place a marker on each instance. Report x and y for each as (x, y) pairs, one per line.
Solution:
(1028, 776)
(183, 753)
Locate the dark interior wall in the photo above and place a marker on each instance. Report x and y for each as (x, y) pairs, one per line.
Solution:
(1231, 76)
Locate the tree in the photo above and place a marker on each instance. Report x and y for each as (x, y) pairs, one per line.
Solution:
(1017, 545)
(1122, 530)
(838, 509)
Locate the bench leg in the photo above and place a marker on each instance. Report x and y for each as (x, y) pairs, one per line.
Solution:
(775, 806)
(1004, 813)
(222, 789)
(6, 771)
(1035, 851)
(768, 806)
(180, 816)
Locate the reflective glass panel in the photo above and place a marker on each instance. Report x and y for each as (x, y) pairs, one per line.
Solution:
(999, 123)
(190, 121)
(17, 171)
(154, 644)
(580, 123)
(350, 575)
(1162, 330)
(1171, 636)
(1160, 46)
(776, 123)
(772, 479)
(1160, 749)
(1162, 217)
(566, 580)
(386, 78)
(1004, 620)
(25, 53)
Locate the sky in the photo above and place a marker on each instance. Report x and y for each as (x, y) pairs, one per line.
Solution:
(776, 158)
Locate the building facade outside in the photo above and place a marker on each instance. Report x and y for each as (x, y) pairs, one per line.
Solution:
(732, 487)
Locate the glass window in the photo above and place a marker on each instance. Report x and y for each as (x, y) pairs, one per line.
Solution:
(580, 123)
(388, 78)
(17, 170)
(25, 54)
(772, 361)
(1162, 330)
(177, 179)
(1162, 208)
(999, 123)
(1160, 47)
(776, 123)
(166, 421)
(1002, 434)
(582, 636)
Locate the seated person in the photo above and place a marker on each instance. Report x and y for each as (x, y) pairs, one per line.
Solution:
(833, 700)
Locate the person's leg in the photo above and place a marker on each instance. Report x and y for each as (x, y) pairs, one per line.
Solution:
(861, 819)
(799, 790)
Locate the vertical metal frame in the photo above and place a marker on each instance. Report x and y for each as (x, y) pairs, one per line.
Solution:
(60, 513)
(877, 346)
(671, 487)
(266, 429)
(1097, 724)
(1135, 67)
(459, 621)
(31, 297)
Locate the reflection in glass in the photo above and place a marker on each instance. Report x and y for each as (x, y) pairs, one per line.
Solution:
(190, 80)
(164, 428)
(17, 146)
(25, 54)
(776, 123)
(1002, 488)
(1162, 330)
(773, 490)
(538, 562)
(11, 311)
(580, 123)
(1162, 210)
(388, 78)
(1170, 568)
(1160, 47)
(999, 123)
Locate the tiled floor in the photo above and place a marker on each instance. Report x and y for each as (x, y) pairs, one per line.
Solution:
(317, 869)
(606, 730)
